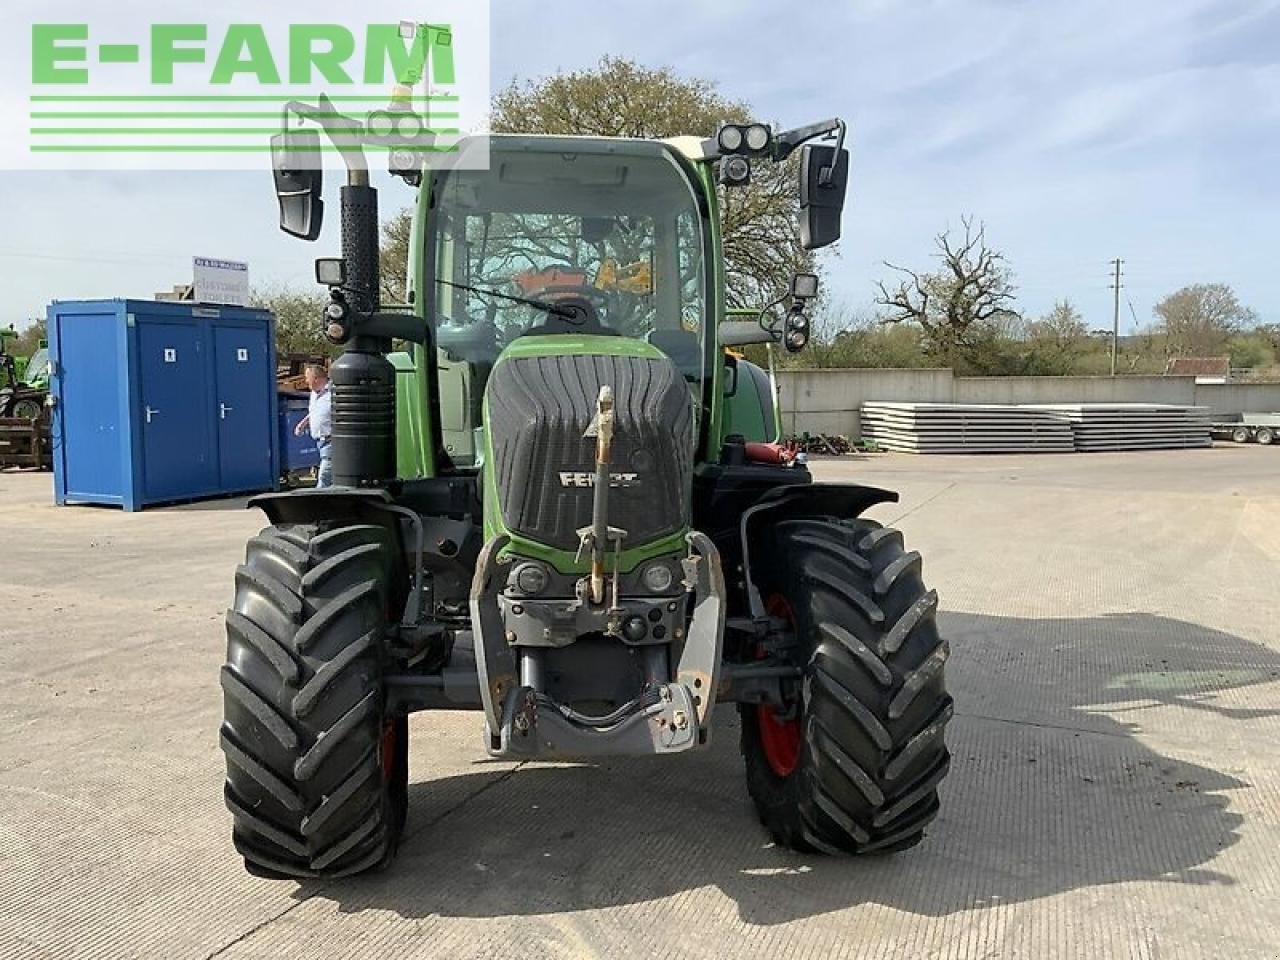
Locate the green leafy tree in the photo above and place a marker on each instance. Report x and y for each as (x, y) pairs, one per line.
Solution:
(393, 259)
(1200, 320)
(1251, 350)
(299, 321)
(29, 338)
(1058, 341)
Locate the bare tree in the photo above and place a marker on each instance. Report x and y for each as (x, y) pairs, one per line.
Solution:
(393, 258)
(960, 305)
(1199, 320)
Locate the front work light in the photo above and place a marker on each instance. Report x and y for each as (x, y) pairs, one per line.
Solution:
(730, 138)
(758, 137)
(749, 140)
(797, 334)
(382, 124)
(804, 286)
(735, 171)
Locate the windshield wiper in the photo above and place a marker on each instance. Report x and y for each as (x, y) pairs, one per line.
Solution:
(553, 309)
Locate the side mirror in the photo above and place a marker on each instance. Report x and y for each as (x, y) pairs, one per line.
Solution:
(824, 178)
(299, 175)
(730, 375)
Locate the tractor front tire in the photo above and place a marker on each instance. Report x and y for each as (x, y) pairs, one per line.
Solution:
(854, 768)
(316, 774)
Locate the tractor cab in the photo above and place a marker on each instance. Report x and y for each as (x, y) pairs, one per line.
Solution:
(612, 246)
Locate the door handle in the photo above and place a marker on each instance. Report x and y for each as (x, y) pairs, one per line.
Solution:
(150, 413)
(223, 410)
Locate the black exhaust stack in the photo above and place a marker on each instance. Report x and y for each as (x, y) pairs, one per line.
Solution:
(364, 381)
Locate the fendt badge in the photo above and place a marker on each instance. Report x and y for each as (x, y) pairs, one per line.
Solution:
(616, 480)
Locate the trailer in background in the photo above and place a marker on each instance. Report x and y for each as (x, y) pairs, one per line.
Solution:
(1262, 428)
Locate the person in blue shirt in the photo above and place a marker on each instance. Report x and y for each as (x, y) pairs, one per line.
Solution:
(319, 420)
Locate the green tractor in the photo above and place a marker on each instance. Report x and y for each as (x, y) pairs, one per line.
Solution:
(547, 510)
(23, 395)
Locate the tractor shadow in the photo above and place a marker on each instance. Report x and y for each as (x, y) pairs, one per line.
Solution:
(1051, 790)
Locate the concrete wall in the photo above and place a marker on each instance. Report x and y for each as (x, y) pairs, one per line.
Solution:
(1177, 390)
(828, 401)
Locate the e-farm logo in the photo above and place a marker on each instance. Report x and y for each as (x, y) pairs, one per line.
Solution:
(204, 89)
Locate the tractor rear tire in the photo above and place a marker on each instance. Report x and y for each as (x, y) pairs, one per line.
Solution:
(1241, 435)
(1265, 436)
(316, 774)
(856, 768)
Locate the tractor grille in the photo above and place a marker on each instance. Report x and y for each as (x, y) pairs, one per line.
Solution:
(539, 409)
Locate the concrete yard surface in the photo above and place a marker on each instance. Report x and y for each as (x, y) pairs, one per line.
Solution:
(1114, 622)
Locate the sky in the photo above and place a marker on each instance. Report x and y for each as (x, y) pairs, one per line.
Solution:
(1077, 132)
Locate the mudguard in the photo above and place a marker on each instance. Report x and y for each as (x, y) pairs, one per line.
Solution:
(844, 500)
(331, 503)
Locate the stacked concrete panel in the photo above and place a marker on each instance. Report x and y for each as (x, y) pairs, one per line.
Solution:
(1099, 427)
(1033, 428)
(964, 428)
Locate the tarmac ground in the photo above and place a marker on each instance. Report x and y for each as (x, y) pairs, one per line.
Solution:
(1114, 621)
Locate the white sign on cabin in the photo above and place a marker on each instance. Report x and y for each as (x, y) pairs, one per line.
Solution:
(221, 281)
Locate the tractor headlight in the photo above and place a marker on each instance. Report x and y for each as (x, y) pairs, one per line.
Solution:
(658, 578)
(758, 137)
(735, 171)
(730, 138)
(797, 332)
(531, 578)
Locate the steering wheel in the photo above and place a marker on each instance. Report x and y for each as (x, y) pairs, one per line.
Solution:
(582, 301)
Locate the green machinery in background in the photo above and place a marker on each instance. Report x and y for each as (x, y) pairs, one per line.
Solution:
(23, 392)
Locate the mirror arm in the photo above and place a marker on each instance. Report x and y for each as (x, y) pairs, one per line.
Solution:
(326, 116)
(784, 144)
(824, 178)
(395, 326)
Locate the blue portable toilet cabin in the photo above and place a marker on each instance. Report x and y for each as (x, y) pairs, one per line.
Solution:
(155, 402)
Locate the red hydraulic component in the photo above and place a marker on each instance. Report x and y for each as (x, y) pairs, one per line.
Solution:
(775, 453)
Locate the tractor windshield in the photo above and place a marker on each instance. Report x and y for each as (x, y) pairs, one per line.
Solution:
(37, 371)
(618, 233)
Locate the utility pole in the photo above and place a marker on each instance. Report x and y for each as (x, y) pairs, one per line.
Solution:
(1115, 321)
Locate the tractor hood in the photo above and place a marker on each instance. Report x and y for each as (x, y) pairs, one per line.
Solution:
(541, 400)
